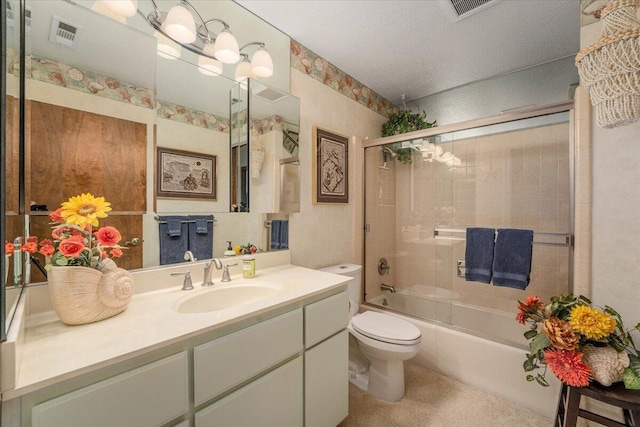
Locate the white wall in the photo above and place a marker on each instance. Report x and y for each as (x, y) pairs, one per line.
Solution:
(327, 234)
(540, 85)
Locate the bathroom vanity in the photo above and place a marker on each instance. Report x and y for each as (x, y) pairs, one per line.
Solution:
(280, 360)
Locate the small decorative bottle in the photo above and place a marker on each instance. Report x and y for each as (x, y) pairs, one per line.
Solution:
(248, 266)
(229, 251)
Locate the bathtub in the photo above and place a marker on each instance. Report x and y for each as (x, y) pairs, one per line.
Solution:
(468, 349)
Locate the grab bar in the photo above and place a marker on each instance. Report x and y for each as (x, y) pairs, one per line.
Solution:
(438, 234)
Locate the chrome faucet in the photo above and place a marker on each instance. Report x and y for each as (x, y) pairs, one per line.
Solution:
(208, 268)
(389, 288)
(187, 285)
(225, 273)
(188, 256)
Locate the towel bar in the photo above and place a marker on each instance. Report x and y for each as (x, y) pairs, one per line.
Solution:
(438, 234)
(182, 222)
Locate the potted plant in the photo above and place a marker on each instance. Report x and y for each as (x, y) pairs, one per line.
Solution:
(402, 122)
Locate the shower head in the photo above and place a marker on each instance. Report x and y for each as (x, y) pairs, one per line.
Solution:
(388, 151)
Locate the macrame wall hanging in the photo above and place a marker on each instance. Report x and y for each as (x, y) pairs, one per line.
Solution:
(610, 67)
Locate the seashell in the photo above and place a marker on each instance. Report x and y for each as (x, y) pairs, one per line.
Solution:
(75, 74)
(81, 295)
(112, 83)
(607, 365)
(318, 64)
(56, 78)
(295, 48)
(307, 65)
(180, 109)
(95, 87)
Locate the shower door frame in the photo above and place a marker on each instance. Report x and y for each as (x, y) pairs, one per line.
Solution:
(508, 116)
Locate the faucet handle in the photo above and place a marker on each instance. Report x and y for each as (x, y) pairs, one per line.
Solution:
(226, 277)
(187, 285)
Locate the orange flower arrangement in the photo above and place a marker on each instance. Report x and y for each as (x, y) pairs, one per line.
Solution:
(570, 327)
(74, 241)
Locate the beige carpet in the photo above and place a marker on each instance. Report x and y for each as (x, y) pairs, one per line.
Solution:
(433, 400)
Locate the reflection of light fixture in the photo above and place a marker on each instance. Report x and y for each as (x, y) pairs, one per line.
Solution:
(208, 65)
(167, 48)
(243, 71)
(431, 152)
(126, 8)
(184, 25)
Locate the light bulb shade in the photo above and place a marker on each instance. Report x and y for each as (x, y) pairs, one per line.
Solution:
(180, 25)
(122, 7)
(209, 66)
(243, 71)
(167, 48)
(262, 64)
(226, 48)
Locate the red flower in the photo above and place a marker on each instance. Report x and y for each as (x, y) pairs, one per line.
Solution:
(568, 367)
(521, 317)
(72, 246)
(108, 236)
(32, 239)
(57, 233)
(55, 216)
(45, 242)
(47, 250)
(531, 305)
(116, 252)
(9, 248)
(30, 247)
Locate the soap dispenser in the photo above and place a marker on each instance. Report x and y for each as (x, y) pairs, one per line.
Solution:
(229, 251)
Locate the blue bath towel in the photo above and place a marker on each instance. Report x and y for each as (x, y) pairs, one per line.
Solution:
(280, 234)
(173, 247)
(284, 235)
(512, 258)
(478, 256)
(201, 236)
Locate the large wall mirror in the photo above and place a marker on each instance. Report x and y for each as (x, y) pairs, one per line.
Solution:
(100, 101)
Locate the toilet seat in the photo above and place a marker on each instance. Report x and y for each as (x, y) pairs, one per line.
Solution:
(386, 328)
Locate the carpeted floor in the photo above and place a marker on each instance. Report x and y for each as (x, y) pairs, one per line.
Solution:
(433, 400)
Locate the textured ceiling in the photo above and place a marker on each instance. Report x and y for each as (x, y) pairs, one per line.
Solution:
(418, 48)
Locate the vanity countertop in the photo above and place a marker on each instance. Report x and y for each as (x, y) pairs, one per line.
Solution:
(52, 351)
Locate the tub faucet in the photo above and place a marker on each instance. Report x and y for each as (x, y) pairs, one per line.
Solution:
(389, 288)
(208, 268)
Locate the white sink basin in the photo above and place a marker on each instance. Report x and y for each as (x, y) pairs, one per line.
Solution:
(227, 296)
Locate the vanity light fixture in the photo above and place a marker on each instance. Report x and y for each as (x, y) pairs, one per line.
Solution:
(184, 26)
(243, 70)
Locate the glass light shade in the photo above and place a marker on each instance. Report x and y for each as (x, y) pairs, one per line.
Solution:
(180, 25)
(167, 48)
(243, 71)
(209, 66)
(262, 64)
(226, 48)
(122, 7)
(104, 10)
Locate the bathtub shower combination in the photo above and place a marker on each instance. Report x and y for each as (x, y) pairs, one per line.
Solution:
(514, 174)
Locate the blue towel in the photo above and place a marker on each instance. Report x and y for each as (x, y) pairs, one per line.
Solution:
(275, 234)
(478, 255)
(284, 234)
(512, 258)
(201, 236)
(172, 248)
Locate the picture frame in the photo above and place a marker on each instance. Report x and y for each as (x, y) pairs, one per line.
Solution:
(330, 167)
(185, 174)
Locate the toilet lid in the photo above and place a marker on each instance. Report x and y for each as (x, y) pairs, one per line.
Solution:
(383, 327)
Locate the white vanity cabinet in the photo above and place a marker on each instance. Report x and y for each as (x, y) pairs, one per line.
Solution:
(286, 366)
(326, 361)
(147, 396)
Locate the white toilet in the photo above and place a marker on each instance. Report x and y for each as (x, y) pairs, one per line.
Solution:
(378, 344)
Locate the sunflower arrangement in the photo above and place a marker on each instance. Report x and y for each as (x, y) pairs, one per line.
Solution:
(75, 239)
(578, 342)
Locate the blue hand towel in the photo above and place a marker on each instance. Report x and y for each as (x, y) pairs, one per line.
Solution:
(478, 256)
(284, 234)
(512, 258)
(201, 243)
(172, 248)
(275, 234)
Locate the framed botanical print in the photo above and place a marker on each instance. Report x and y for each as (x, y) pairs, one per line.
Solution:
(331, 167)
(184, 174)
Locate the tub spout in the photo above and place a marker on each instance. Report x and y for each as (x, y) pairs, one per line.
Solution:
(389, 288)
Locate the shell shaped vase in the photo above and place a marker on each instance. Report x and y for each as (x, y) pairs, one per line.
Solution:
(81, 295)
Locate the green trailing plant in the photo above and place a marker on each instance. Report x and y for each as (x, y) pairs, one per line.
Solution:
(402, 122)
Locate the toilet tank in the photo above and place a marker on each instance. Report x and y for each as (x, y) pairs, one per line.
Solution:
(354, 286)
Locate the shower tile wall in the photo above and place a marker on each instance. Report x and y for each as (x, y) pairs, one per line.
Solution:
(513, 180)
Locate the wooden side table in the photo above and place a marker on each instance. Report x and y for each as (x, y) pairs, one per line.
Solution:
(616, 395)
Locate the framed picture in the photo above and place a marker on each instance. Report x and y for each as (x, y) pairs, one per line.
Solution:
(184, 174)
(331, 167)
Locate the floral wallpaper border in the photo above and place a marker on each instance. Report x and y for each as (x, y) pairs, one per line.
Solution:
(57, 73)
(303, 59)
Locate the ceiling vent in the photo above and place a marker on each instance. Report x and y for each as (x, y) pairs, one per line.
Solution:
(465, 8)
(270, 95)
(64, 33)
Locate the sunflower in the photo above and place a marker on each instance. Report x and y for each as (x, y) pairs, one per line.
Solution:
(84, 210)
(591, 323)
(567, 365)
